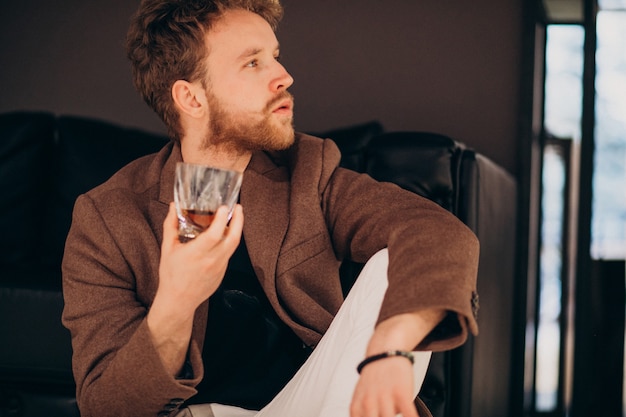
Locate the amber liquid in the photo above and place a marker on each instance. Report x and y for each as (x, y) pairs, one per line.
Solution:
(199, 218)
(197, 221)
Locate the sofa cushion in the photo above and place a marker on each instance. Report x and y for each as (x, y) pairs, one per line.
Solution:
(35, 346)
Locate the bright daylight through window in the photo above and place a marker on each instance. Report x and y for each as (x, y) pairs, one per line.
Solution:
(563, 110)
(608, 233)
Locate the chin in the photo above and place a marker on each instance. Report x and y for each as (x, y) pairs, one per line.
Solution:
(285, 137)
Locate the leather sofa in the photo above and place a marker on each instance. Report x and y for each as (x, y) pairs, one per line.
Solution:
(46, 161)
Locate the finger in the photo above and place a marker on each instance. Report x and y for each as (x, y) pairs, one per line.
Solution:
(371, 407)
(357, 408)
(408, 409)
(215, 232)
(232, 235)
(364, 405)
(235, 226)
(388, 409)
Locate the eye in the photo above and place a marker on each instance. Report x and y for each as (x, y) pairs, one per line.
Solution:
(252, 64)
(277, 57)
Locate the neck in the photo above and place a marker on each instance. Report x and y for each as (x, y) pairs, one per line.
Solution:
(216, 156)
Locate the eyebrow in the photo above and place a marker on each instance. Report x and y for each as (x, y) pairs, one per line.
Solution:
(252, 51)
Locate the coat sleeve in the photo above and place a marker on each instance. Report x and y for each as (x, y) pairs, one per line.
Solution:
(117, 369)
(433, 256)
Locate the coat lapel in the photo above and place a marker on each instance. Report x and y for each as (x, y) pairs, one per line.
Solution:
(266, 188)
(164, 166)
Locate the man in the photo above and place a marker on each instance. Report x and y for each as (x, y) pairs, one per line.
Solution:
(230, 318)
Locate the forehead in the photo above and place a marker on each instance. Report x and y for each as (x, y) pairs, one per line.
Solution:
(238, 31)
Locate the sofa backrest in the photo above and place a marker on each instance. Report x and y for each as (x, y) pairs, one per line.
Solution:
(45, 163)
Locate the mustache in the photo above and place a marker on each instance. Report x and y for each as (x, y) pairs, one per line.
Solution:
(283, 95)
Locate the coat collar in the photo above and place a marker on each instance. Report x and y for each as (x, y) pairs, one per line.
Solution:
(166, 193)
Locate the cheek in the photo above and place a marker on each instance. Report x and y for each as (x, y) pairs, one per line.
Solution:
(240, 95)
(240, 100)
(245, 94)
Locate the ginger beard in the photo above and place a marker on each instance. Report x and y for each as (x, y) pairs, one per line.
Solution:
(238, 133)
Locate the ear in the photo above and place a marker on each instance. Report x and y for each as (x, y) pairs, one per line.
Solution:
(190, 98)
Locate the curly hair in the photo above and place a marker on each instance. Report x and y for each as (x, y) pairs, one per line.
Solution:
(165, 43)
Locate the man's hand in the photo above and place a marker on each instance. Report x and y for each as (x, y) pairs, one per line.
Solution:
(189, 273)
(385, 387)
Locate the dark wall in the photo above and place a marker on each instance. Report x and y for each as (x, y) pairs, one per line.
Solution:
(68, 57)
(450, 67)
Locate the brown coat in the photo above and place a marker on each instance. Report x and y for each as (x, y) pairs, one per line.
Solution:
(303, 216)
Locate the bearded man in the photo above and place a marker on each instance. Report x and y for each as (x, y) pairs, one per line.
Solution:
(249, 318)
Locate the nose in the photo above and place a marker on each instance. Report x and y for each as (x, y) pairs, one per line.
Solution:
(282, 79)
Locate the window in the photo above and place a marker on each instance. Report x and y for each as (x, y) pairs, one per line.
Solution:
(608, 228)
(605, 226)
(563, 111)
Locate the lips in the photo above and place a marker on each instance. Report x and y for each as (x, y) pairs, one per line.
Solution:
(281, 104)
(285, 106)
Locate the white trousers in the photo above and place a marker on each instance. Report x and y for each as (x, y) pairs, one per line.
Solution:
(325, 383)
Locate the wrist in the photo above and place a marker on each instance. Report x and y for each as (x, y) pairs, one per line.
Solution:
(403, 331)
(166, 318)
(171, 304)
